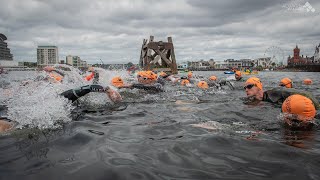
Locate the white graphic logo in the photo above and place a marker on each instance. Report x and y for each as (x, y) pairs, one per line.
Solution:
(298, 6)
(308, 7)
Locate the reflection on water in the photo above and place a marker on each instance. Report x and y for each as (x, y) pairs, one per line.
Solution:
(185, 133)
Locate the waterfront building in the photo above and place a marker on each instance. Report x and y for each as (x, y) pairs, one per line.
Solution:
(4, 50)
(297, 59)
(75, 61)
(47, 56)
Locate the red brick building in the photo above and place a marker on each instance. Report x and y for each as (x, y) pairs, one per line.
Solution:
(297, 59)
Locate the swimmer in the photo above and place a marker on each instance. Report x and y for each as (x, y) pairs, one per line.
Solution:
(238, 76)
(254, 90)
(74, 94)
(299, 111)
(117, 82)
(286, 82)
(55, 75)
(93, 75)
(148, 81)
(212, 82)
(168, 77)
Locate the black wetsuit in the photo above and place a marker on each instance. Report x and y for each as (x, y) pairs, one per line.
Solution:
(157, 87)
(278, 95)
(213, 84)
(74, 94)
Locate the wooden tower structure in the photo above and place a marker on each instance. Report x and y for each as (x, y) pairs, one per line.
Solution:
(158, 56)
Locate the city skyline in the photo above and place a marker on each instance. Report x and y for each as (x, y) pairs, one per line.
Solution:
(113, 31)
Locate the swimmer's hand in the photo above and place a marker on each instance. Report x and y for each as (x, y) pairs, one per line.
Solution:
(114, 95)
(5, 125)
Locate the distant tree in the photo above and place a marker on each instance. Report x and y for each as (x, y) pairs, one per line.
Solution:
(273, 64)
(259, 68)
(130, 64)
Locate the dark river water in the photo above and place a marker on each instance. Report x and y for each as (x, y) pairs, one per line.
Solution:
(156, 137)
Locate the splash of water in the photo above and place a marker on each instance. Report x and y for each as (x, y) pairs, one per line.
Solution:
(38, 105)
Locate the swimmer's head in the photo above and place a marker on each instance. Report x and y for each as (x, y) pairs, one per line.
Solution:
(117, 81)
(237, 75)
(203, 85)
(286, 82)
(152, 75)
(307, 81)
(213, 78)
(56, 77)
(253, 87)
(185, 82)
(298, 108)
(146, 77)
(89, 77)
(189, 74)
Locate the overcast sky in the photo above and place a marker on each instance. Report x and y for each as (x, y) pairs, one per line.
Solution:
(113, 30)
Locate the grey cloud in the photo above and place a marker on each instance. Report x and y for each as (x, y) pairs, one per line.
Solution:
(113, 30)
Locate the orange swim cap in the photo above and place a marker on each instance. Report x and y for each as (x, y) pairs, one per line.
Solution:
(299, 105)
(256, 81)
(151, 75)
(58, 78)
(203, 85)
(286, 82)
(238, 73)
(213, 78)
(89, 77)
(184, 82)
(307, 81)
(117, 81)
(55, 77)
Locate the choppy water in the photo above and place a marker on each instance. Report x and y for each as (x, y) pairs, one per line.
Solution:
(155, 136)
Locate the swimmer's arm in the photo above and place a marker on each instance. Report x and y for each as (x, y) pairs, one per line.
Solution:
(126, 86)
(222, 82)
(155, 87)
(98, 88)
(59, 72)
(114, 95)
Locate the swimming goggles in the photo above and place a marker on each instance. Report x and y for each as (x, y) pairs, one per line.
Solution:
(249, 86)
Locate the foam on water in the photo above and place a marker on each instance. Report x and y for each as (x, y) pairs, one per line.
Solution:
(105, 76)
(38, 105)
(34, 102)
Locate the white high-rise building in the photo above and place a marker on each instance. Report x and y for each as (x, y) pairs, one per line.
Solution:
(69, 60)
(47, 55)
